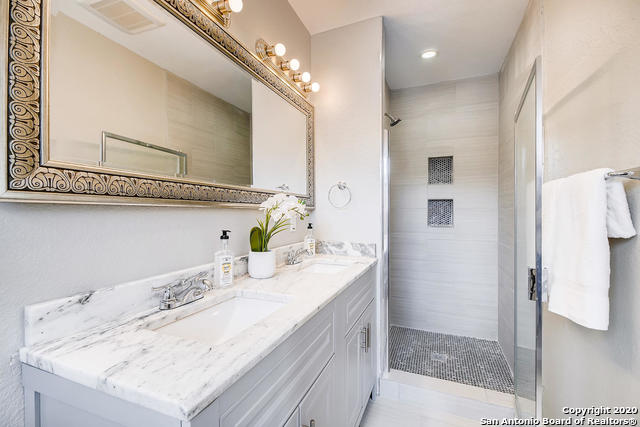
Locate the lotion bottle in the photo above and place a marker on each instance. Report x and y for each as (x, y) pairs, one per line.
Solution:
(309, 241)
(224, 263)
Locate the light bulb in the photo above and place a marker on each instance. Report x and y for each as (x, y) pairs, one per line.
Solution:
(294, 64)
(279, 49)
(306, 77)
(315, 87)
(429, 54)
(226, 6)
(235, 5)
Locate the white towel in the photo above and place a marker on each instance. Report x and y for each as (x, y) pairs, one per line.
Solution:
(619, 224)
(579, 213)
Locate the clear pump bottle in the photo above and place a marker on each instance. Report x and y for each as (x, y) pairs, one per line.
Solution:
(309, 241)
(223, 275)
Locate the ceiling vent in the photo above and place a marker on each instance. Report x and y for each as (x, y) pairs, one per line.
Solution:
(126, 15)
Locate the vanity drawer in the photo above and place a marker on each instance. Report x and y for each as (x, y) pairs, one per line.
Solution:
(357, 297)
(272, 390)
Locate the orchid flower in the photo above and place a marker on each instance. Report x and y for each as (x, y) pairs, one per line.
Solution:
(279, 210)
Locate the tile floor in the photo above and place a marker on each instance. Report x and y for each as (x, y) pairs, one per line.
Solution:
(466, 360)
(410, 400)
(386, 412)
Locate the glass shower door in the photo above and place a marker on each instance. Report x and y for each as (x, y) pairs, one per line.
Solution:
(527, 266)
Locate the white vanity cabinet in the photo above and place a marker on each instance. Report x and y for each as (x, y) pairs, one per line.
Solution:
(317, 409)
(294, 419)
(367, 355)
(355, 326)
(352, 379)
(320, 376)
(271, 391)
(360, 368)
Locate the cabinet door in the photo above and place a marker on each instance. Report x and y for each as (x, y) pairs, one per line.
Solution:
(353, 378)
(293, 420)
(367, 353)
(317, 408)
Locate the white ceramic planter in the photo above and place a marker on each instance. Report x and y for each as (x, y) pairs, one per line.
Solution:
(262, 265)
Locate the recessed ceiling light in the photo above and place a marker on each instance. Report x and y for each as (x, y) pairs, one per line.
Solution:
(429, 53)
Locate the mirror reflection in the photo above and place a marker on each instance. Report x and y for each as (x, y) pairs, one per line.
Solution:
(125, 94)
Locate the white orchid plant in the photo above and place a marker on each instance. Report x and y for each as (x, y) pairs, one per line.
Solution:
(279, 210)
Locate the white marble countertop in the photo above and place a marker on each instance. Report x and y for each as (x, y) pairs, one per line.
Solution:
(180, 377)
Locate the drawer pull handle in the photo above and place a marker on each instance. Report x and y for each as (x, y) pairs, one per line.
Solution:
(312, 423)
(366, 341)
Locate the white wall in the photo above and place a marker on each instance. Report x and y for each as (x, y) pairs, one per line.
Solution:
(50, 251)
(445, 279)
(591, 116)
(348, 63)
(590, 63)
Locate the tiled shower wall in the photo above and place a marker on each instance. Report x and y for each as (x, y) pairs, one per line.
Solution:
(445, 279)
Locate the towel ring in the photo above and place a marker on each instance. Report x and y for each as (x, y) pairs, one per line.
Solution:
(339, 186)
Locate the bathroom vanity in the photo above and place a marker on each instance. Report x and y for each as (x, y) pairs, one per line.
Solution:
(293, 350)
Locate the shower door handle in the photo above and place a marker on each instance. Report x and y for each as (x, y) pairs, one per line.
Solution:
(532, 284)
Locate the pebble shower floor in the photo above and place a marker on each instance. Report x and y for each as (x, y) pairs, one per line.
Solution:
(465, 360)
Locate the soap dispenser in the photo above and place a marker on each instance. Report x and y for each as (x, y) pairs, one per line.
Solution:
(309, 241)
(224, 263)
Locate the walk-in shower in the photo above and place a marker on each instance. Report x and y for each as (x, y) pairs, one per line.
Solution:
(444, 265)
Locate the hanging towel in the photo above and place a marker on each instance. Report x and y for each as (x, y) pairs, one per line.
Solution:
(619, 225)
(580, 213)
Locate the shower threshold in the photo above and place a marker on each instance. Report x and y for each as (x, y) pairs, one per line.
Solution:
(465, 360)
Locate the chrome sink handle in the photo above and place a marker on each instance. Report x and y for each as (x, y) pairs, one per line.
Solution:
(295, 257)
(201, 280)
(168, 296)
(183, 291)
(208, 284)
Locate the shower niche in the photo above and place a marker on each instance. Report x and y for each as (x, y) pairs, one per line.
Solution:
(440, 213)
(441, 170)
(440, 210)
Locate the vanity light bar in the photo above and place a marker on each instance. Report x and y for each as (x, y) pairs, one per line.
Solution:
(228, 6)
(220, 10)
(311, 87)
(273, 56)
(291, 65)
(277, 49)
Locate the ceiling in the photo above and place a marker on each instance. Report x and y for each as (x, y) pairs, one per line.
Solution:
(471, 36)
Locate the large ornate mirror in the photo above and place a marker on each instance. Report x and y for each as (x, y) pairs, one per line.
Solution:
(147, 101)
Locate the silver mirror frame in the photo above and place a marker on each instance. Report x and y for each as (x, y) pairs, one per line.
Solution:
(27, 174)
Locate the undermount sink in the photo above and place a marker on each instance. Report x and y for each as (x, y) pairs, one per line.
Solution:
(223, 321)
(327, 267)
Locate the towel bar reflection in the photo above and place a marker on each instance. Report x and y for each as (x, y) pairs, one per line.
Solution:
(625, 173)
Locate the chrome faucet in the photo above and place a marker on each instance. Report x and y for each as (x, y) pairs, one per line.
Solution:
(183, 291)
(295, 257)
